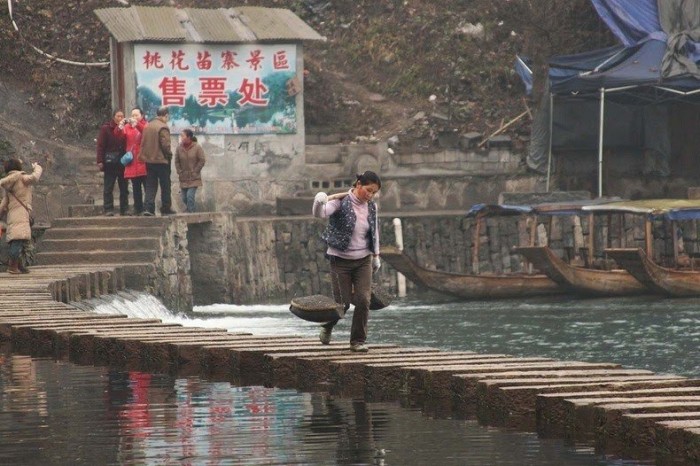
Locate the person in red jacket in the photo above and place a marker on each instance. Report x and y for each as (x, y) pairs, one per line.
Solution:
(136, 169)
(110, 148)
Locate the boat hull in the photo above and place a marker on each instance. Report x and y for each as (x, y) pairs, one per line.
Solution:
(470, 286)
(582, 280)
(678, 283)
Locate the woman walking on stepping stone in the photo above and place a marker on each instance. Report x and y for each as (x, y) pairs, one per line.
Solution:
(352, 235)
(17, 205)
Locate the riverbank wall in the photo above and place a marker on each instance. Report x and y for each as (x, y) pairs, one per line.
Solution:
(207, 258)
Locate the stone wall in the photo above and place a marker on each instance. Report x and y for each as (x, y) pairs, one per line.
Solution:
(172, 281)
(275, 259)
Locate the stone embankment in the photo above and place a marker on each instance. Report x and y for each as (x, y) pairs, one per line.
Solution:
(633, 413)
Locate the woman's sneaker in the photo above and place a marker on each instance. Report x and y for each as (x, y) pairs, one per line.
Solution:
(325, 335)
(359, 348)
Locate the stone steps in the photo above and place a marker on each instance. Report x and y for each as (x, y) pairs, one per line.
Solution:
(144, 256)
(111, 244)
(102, 221)
(103, 232)
(85, 210)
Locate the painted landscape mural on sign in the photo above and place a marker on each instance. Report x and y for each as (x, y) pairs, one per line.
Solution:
(219, 89)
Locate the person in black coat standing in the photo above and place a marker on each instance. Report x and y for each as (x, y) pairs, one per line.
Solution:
(111, 145)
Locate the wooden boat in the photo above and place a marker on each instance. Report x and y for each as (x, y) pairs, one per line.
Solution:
(580, 279)
(470, 286)
(638, 262)
(659, 279)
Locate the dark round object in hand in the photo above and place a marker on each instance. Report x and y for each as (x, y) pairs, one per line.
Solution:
(316, 308)
(380, 298)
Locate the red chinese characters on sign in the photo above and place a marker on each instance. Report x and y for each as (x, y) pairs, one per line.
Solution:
(177, 60)
(279, 60)
(173, 91)
(253, 93)
(213, 91)
(207, 76)
(152, 60)
(204, 60)
(255, 59)
(228, 60)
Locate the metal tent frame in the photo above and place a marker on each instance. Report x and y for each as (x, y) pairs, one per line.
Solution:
(602, 92)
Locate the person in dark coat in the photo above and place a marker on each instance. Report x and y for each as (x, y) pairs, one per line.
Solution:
(157, 154)
(111, 145)
(189, 161)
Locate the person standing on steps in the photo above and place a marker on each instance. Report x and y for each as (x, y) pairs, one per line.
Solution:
(156, 154)
(136, 169)
(111, 145)
(17, 206)
(189, 161)
(352, 235)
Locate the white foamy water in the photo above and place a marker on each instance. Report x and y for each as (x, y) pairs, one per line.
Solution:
(258, 319)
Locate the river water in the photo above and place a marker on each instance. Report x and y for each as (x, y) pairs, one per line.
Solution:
(55, 413)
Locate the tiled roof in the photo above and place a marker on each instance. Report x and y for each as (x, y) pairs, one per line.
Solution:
(221, 25)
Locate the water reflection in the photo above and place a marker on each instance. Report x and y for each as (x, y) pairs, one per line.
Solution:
(56, 413)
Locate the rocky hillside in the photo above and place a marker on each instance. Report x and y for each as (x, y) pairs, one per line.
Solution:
(408, 67)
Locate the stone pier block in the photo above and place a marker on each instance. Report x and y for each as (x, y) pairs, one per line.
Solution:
(385, 381)
(678, 443)
(593, 418)
(282, 367)
(465, 386)
(505, 404)
(347, 375)
(637, 433)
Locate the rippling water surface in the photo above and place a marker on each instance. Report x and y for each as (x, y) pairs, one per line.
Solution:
(55, 413)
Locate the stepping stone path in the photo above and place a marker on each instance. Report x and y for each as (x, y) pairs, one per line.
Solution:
(623, 411)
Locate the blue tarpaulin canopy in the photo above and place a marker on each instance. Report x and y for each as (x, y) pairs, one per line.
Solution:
(636, 66)
(657, 62)
(560, 208)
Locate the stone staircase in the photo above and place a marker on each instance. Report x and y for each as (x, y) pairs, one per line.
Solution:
(131, 243)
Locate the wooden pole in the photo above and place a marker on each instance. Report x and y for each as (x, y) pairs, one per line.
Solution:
(503, 128)
(591, 237)
(675, 243)
(648, 237)
(621, 229)
(475, 254)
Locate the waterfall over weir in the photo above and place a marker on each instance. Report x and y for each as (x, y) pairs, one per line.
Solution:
(130, 303)
(259, 319)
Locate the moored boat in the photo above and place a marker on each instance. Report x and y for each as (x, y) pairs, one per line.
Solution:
(470, 286)
(671, 281)
(582, 280)
(662, 280)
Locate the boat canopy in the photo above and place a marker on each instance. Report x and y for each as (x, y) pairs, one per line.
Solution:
(548, 208)
(571, 207)
(495, 210)
(672, 209)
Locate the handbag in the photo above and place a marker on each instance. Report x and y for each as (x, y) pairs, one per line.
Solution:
(112, 158)
(127, 158)
(31, 215)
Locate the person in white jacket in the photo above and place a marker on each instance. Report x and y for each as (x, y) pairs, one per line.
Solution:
(17, 205)
(352, 235)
